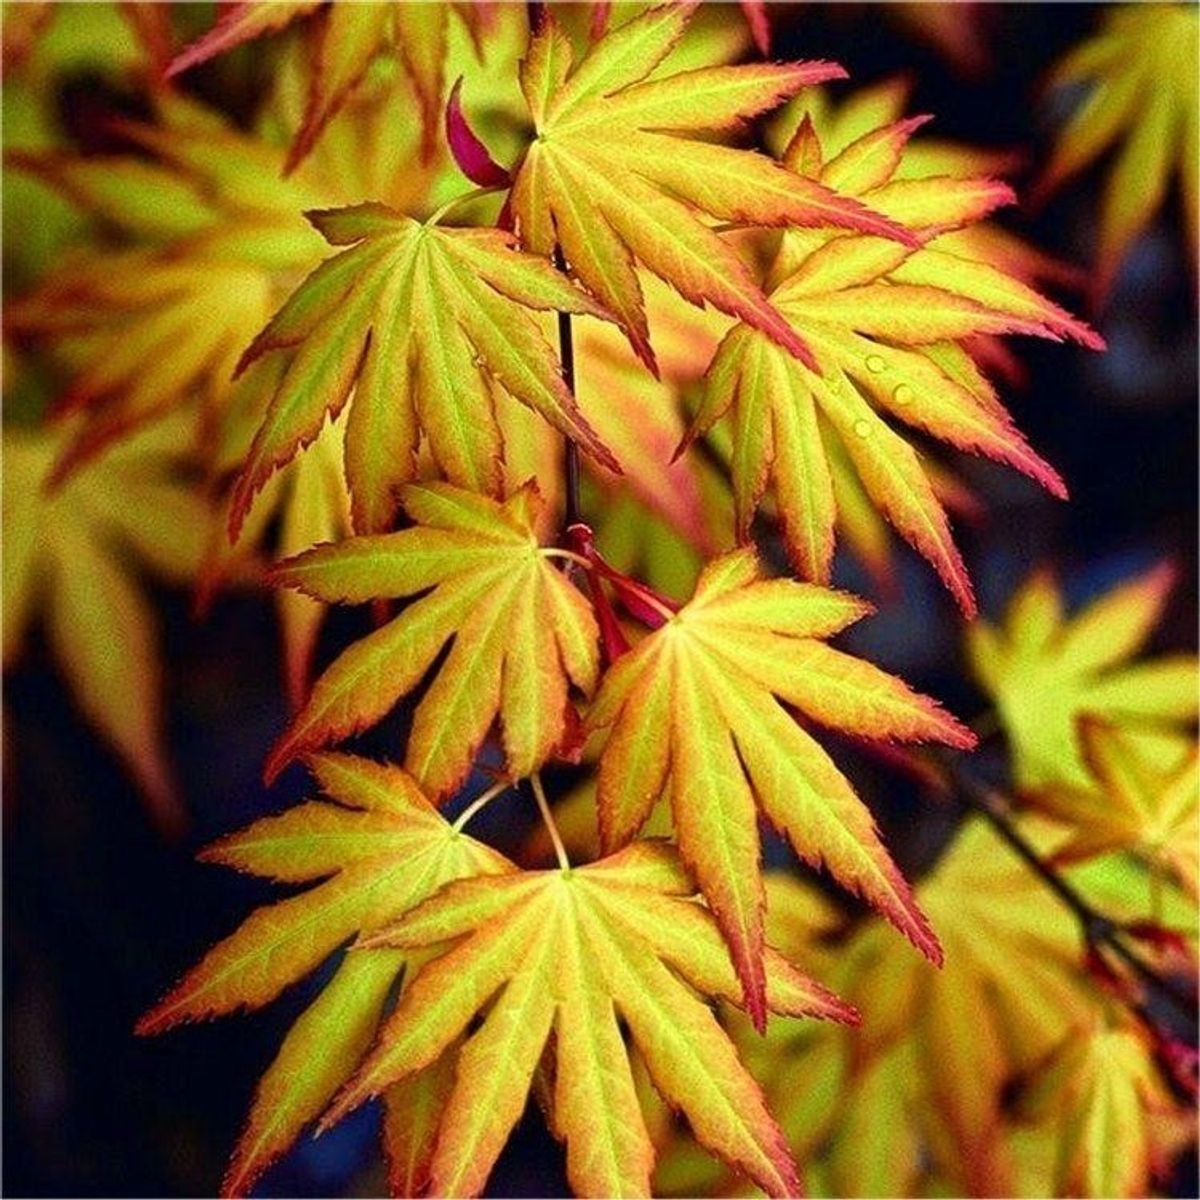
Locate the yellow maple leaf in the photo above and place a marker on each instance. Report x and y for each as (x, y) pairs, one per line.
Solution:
(570, 951)
(521, 635)
(1142, 77)
(696, 711)
(69, 554)
(1045, 671)
(381, 849)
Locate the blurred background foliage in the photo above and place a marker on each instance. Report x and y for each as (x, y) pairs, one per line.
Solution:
(104, 904)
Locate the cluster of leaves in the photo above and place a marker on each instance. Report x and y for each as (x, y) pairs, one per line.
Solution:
(738, 331)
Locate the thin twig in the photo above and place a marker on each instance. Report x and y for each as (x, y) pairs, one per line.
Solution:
(1099, 931)
(566, 354)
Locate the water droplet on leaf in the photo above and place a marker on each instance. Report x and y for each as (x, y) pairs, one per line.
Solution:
(903, 394)
(862, 428)
(875, 364)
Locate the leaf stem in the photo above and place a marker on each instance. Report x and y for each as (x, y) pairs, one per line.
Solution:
(479, 802)
(539, 794)
(465, 198)
(566, 355)
(569, 555)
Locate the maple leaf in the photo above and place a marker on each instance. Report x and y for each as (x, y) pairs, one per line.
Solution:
(1142, 804)
(614, 172)
(567, 951)
(381, 849)
(396, 319)
(696, 712)
(883, 322)
(113, 313)
(346, 39)
(69, 553)
(521, 634)
(1045, 672)
(1142, 73)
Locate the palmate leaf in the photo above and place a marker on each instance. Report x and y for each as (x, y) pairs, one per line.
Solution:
(927, 156)
(378, 851)
(697, 712)
(1046, 671)
(569, 952)
(419, 322)
(306, 503)
(615, 173)
(1142, 76)
(883, 322)
(521, 635)
(112, 313)
(70, 556)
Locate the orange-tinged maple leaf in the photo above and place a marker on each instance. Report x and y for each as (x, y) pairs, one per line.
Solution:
(1142, 73)
(883, 322)
(116, 312)
(306, 503)
(568, 952)
(1045, 671)
(697, 712)
(69, 553)
(926, 157)
(380, 850)
(615, 174)
(419, 322)
(521, 635)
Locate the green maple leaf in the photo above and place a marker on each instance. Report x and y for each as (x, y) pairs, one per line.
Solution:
(1146, 800)
(1046, 671)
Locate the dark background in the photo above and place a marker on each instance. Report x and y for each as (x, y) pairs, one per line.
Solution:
(101, 915)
